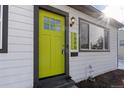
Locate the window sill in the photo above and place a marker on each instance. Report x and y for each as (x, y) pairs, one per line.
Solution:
(94, 50)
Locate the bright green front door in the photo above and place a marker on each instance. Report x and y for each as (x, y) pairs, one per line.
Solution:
(51, 44)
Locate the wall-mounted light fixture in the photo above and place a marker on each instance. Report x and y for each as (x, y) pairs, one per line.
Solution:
(72, 21)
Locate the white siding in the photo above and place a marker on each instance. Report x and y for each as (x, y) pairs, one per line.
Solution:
(101, 61)
(120, 48)
(16, 66)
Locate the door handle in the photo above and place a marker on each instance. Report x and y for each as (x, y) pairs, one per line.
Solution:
(63, 51)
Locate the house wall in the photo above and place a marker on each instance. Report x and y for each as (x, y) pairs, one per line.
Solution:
(120, 48)
(16, 66)
(100, 61)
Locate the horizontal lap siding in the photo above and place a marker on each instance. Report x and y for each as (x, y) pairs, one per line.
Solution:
(101, 61)
(120, 48)
(16, 66)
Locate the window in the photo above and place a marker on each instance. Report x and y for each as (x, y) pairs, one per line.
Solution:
(84, 40)
(93, 37)
(52, 24)
(0, 27)
(106, 39)
(96, 37)
(57, 25)
(121, 42)
(3, 28)
(46, 23)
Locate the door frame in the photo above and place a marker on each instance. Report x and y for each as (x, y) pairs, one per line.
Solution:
(36, 80)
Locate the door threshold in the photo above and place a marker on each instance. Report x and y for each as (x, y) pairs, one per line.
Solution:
(63, 81)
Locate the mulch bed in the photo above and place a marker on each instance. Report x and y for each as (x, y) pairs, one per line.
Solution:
(113, 79)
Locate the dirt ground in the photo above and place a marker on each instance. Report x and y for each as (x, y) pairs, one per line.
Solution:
(113, 79)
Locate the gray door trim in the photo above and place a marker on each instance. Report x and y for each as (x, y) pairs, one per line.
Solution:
(36, 40)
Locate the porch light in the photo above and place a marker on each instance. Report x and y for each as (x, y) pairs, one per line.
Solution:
(72, 21)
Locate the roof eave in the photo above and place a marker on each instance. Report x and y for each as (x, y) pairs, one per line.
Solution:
(93, 12)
